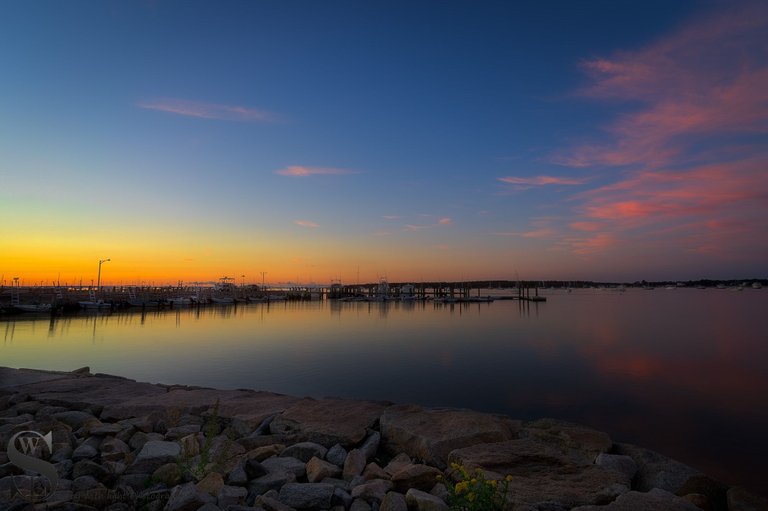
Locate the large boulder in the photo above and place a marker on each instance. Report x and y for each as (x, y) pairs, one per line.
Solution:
(153, 455)
(655, 470)
(328, 421)
(307, 496)
(567, 435)
(655, 500)
(431, 435)
(542, 473)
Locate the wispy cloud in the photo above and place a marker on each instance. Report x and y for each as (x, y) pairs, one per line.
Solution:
(441, 222)
(203, 110)
(306, 223)
(542, 180)
(304, 171)
(391, 217)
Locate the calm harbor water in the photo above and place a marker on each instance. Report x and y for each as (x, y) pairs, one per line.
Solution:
(682, 371)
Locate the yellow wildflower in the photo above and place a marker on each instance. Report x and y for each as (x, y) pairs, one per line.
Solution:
(471, 497)
(508, 478)
(462, 486)
(492, 482)
(473, 481)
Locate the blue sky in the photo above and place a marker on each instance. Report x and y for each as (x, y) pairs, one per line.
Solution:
(413, 139)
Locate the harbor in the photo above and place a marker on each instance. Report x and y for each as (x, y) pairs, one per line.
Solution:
(55, 298)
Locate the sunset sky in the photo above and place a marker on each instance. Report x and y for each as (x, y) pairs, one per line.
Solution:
(313, 140)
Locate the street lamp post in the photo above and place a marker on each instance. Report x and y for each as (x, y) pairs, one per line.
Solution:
(262, 279)
(98, 279)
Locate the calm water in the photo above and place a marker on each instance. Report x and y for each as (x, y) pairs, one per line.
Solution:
(681, 371)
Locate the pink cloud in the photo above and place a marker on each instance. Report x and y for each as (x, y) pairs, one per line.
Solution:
(445, 221)
(686, 162)
(204, 110)
(303, 171)
(541, 180)
(306, 223)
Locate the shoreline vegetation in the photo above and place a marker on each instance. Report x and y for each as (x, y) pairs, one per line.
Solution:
(119, 444)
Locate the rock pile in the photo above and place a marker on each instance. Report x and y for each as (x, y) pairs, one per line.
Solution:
(182, 449)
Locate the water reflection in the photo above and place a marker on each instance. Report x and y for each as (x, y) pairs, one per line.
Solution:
(684, 372)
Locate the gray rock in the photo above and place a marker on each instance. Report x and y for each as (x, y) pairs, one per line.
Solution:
(421, 477)
(73, 418)
(211, 484)
(143, 424)
(393, 501)
(107, 429)
(153, 455)
(134, 481)
(231, 495)
(398, 462)
(262, 453)
(354, 464)
(306, 496)
(254, 469)
(360, 505)
(113, 449)
(655, 470)
(61, 453)
(238, 476)
(372, 491)
(336, 455)
(84, 483)
(431, 435)
(223, 448)
(168, 474)
(271, 481)
(89, 468)
(285, 464)
(140, 438)
(64, 468)
(617, 462)
(187, 498)
(209, 507)
(305, 451)
(317, 470)
(371, 445)
(181, 431)
(374, 471)
(341, 498)
(84, 451)
(655, 500)
(269, 502)
(423, 501)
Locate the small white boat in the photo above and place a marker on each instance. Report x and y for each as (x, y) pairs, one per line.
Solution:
(757, 285)
(180, 302)
(93, 303)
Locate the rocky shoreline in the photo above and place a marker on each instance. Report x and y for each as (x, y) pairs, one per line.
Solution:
(118, 444)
